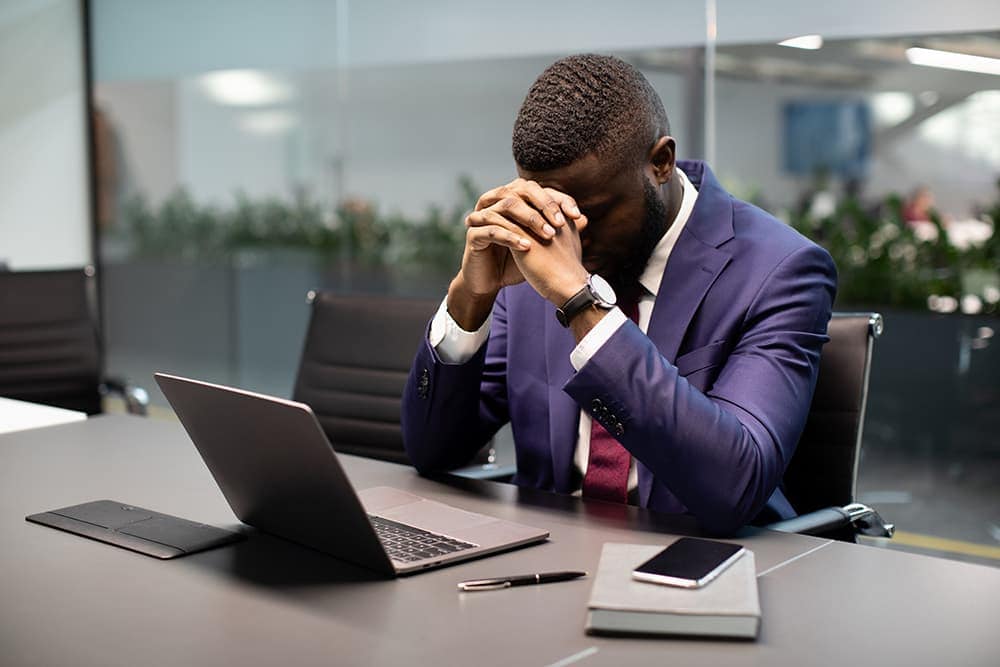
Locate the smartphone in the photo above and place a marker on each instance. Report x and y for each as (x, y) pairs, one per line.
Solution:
(689, 562)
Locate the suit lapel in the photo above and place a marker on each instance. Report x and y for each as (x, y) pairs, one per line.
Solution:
(695, 261)
(692, 269)
(694, 265)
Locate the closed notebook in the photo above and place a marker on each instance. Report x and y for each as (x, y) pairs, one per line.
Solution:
(726, 607)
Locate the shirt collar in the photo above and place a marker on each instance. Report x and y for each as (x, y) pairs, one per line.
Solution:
(652, 275)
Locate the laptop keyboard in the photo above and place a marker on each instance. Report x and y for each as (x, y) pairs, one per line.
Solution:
(407, 544)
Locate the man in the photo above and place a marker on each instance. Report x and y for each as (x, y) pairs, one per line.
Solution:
(695, 402)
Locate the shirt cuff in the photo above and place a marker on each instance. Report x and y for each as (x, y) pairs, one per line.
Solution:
(452, 343)
(596, 338)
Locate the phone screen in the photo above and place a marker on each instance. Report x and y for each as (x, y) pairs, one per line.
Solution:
(688, 562)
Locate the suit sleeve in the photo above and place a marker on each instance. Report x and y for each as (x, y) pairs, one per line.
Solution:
(450, 411)
(722, 453)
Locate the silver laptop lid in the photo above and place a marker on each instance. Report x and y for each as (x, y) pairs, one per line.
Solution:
(276, 468)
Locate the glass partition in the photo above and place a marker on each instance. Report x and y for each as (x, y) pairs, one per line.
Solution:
(44, 213)
(248, 152)
(887, 152)
(297, 148)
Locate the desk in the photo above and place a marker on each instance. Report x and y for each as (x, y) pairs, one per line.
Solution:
(19, 415)
(68, 600)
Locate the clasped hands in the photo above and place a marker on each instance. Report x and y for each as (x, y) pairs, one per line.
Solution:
(519, 231)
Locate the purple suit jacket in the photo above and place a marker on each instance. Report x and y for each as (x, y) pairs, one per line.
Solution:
(711, 400)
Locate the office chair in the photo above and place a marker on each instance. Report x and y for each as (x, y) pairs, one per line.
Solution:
(50, 349)
(355, 361)
(821, 478)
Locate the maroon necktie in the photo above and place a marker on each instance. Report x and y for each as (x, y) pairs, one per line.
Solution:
(608, 464)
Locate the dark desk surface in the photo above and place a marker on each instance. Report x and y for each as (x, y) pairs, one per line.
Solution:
(67, 600)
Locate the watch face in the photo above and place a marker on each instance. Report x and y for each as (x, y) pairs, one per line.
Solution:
(602, 290)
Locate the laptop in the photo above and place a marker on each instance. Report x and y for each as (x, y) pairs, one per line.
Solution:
(280, 474)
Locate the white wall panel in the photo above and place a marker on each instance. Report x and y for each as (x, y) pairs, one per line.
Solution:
(44, 214)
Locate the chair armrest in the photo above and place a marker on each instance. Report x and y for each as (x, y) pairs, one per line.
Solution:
(862, 518)
(136, 398)
(814, 523)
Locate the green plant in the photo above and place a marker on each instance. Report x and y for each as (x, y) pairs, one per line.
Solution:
(182, 229)
(882, 261)
(271, 222)
(436, 241)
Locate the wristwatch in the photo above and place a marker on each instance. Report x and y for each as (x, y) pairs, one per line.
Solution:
(596, 292)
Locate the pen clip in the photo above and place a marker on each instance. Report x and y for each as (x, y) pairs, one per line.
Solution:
(483, 585)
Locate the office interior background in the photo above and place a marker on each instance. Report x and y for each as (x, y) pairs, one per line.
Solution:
(216, 161)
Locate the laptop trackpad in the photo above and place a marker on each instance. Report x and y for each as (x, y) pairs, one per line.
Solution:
(437, 518)
(420, 512)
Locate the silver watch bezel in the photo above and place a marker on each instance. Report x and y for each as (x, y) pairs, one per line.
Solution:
(602, 291)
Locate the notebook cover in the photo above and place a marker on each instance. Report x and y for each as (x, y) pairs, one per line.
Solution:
(726, 607)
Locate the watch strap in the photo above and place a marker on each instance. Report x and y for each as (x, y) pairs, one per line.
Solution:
(575, 305)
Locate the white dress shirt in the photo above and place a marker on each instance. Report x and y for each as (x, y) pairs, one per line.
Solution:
(454, 345)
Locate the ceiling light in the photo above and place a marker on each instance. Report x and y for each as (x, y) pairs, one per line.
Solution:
(811, 42)
(953, 60)
(891, 108)
(245, 87)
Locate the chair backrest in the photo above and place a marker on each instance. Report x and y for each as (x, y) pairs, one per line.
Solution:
(824, 470)
(355, 361)
(49, 347)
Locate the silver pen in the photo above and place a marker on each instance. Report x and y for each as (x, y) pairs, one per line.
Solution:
(518, 580)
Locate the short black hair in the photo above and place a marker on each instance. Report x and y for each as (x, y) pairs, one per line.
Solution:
(587, 104)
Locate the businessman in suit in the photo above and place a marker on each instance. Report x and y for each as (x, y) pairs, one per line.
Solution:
(650, 339)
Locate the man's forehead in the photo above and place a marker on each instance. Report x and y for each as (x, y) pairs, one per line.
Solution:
(589, 180)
